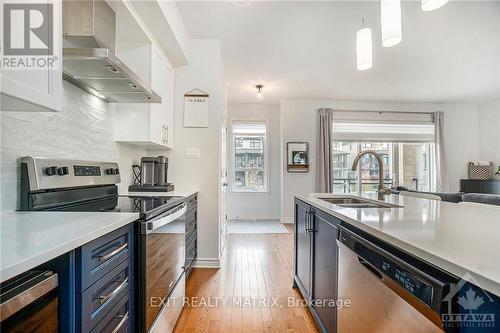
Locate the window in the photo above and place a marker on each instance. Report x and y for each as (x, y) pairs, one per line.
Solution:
(405, 141)
(250, 157)
(405, 164)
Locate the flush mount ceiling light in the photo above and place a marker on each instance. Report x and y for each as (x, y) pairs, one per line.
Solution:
(390, 18)
(364, 48)
(260, 94)
(428, 5)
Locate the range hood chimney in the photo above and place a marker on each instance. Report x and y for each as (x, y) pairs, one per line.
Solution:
(89, 58)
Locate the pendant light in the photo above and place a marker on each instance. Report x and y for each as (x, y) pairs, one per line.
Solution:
(260, 94)
(364, 48)
(390, 18)
(428, 5)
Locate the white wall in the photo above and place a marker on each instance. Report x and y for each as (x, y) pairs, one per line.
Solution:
(299, 122)
(82, 130)
(206, 73)
(489, 132)
(258, 205)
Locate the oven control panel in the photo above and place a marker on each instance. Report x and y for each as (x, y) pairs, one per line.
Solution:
(86, 170)
(46, 173)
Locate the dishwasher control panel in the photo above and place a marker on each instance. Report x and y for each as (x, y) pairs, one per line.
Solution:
(388, 267)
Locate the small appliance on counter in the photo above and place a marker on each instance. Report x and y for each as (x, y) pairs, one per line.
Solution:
(151, 175)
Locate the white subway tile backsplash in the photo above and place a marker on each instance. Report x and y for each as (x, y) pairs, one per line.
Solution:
(82, 130)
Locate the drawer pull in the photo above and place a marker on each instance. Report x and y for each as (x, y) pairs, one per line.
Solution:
(121, 323)
(104, 299)
(111, 254)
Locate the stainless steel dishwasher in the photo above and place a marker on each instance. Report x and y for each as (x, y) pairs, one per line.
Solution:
(386, 294)
(29, 303)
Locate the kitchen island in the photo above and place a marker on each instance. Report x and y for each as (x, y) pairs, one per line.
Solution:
(458, 241)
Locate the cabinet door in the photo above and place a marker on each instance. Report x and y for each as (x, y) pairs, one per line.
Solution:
(325, 269)
(302, 270)
(168, 113)
(156, 133)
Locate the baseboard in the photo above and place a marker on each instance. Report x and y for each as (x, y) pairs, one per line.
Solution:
(207, 263)
(238, 217)
(285, 219)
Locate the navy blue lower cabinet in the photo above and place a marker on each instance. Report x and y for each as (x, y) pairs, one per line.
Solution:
(315, 263)
(97, 258)
(324, 271)
(302, 248)
(105, 283)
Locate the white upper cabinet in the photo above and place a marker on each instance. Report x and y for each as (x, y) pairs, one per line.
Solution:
(25, 89)
(149, 125)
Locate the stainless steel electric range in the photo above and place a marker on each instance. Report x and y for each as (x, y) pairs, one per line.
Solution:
(75, 185)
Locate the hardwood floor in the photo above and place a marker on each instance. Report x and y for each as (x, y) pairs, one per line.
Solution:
(250, 292)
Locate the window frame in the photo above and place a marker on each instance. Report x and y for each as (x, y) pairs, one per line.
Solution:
(232, 158)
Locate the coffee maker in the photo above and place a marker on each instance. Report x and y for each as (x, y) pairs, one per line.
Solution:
(151, 175)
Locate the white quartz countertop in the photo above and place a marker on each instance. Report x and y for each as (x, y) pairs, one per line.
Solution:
(29, 239)
(175, 193)
(458, 238)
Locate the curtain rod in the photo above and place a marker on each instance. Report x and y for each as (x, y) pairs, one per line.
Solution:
(378, 111)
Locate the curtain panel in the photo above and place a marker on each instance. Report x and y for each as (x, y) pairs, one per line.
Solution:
(324, 177)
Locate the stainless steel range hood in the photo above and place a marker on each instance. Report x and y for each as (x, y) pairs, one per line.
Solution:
(89, 59)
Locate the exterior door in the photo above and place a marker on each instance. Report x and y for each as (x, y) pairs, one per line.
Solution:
(302, 270)
(223, 184)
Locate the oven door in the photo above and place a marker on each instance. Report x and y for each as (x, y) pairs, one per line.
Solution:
(162, 252)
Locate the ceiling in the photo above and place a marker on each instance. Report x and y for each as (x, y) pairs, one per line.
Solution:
(307, 50)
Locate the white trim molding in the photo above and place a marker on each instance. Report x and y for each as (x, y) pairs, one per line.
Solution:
(287, 219)
(244, 216)
(207, 263)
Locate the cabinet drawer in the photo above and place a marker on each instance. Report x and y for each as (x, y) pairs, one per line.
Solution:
(97, 258)
(118, 320)
(103, 296)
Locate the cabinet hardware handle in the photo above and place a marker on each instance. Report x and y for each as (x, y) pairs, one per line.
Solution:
(104, 299)
(307, 220)
(106, 257)
(166, 133)
(120, 324)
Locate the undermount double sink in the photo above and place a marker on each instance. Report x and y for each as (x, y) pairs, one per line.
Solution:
(350, 202)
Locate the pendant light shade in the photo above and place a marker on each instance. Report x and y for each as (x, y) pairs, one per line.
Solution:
(390, 17)
(428, 5)
(364, 49)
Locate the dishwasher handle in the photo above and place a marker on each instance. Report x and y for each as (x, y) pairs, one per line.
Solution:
(369, 267)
